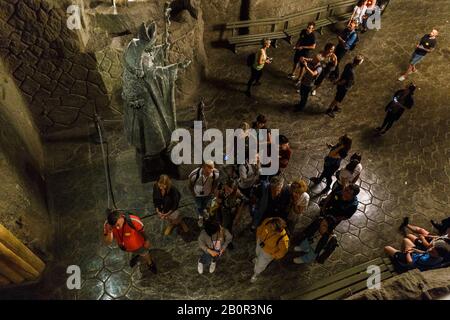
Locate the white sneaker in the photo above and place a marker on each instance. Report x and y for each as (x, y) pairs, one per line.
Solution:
(212, 267)
(313, 93)
(254, 278)
(200, 268)
(298, 260)
(401, 78)
(200, 222)
(298, 249)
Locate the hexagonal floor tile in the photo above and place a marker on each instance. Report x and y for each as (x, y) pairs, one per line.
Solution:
(118, 284)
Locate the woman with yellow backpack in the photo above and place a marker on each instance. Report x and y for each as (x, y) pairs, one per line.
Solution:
(272, 243)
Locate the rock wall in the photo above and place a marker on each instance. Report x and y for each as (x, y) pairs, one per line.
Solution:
(260, 9)
(59, 82)
(23, 207)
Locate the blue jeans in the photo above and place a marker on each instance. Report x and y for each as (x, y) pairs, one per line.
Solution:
(202, 203)
(415, 59)
(206, 259)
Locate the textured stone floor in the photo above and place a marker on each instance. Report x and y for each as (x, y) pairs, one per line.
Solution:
(406, 172)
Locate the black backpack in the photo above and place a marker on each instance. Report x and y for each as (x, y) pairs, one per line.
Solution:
(251, 59)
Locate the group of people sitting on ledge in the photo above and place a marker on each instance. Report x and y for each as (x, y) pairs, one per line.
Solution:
(422, 249)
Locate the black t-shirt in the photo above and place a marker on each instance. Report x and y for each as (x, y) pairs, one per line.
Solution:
(306, 39)
(427, 43)
(348, 76)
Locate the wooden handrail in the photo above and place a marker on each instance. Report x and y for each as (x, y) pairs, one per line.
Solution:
(17, 262)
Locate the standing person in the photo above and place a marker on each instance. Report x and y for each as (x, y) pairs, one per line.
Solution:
(333, 160)
(345, 82)
(285, 152)
(359, 11)
(350, 174)
(213, 241)
(261, 59)
(371, 7)
(313, 69)
(248, 176)
(403, 99)
(346, 41)
(298, 204)
(272, 200)
(329, 62)
(229, 202)
(426, 45)
(272, 242)
(303, 48)
(203, 183)
(128, 231)
(337, 207)
(259, 125)
(166, 199)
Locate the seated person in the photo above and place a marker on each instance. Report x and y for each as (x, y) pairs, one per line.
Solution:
(338, 206)
(411, 257)
(284, 153)
(422, 238)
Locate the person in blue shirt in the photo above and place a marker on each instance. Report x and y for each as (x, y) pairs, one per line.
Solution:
(413, 258)
(346, 41)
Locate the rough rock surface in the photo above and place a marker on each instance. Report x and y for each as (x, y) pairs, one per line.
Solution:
(411, 285)
(23, 208)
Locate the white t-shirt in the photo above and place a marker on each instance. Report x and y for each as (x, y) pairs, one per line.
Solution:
(346, 177)
(359, 12)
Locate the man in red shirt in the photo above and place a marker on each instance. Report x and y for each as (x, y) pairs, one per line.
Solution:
(128, 230)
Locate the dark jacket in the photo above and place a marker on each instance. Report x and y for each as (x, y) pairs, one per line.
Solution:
(404, 101)
(169, 202)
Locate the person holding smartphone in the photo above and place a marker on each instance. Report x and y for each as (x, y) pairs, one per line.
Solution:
(426, 45)
(261, 59)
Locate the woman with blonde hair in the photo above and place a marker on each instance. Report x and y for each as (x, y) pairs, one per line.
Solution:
(261, 59)
(166, 199)
(298, 204)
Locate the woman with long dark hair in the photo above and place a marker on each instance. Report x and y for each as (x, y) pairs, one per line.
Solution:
(333, 160)
(403, 99)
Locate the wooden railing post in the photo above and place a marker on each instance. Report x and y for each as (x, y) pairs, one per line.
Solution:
(17, 262)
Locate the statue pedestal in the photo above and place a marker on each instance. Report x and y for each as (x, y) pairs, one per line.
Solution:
(152, 167)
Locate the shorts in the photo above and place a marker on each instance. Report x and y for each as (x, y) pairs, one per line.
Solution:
(340, 93)
(415, 59)
(141, 251)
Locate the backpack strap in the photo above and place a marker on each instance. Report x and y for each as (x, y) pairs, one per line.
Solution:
(127, 218)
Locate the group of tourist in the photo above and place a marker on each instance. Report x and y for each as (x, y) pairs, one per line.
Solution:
(222, 197)
(310, 69)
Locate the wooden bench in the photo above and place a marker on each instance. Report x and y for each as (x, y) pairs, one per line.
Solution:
(343, 284)
(320, 19)
(333, 17)
(237, 40)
